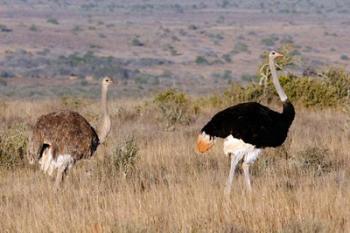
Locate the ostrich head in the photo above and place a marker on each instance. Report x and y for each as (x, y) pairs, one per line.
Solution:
(106, 81)
(204, 142)
(273, 55)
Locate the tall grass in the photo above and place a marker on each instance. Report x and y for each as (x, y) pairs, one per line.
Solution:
(301, 187)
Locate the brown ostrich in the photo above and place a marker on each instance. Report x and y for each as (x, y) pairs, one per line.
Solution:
(61, 138)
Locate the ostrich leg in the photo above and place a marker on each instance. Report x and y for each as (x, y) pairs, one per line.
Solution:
(245, 167)
(249, 159)
(59, 177)
(66, 162)
(235, 158)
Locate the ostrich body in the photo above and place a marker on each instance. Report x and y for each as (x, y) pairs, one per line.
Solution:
(61, 138)
(247, 128)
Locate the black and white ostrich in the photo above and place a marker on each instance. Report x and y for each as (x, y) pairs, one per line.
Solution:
(247, 128)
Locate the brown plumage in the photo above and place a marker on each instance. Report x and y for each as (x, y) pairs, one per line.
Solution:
(69, 133)
(59, 139)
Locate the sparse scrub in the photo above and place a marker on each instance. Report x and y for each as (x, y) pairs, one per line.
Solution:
(248, 77)
(344, 57)
(76, 29)
(168, 188)
(200, 60)
(153, 181)
(192, 27)
(33, 28)
(312, 160)
(4, 28)
(71, 102)
(175, 108)
(309, 92)
(226, 75)
(137, 42)
(52, 21)
(227, 58)
(240, 47)
(172, 50)
(13, 146)
(270, 40)
(124, 157)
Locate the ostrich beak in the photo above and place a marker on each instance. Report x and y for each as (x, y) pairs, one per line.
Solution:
(279, 55)
(204, 143)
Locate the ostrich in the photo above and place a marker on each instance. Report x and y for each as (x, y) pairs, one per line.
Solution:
(247, 128)
(61, 138)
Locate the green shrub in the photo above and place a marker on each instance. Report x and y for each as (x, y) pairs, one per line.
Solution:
(4, 28)
(137, 42)
(33, 28)
(270, 40)
(175, 107)
(13, 146)
(227, 58)
(76, 29)
(312, 159)
(339, 79)
(201, 60)
(240, 47)
(72, 102)
(124, 157)
(344, 57)
(330, 91)
(237, 93)
(52, 21)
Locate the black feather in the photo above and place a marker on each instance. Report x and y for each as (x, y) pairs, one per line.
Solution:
(253, 123)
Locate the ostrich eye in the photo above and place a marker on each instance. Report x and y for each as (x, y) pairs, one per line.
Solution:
(273, 53)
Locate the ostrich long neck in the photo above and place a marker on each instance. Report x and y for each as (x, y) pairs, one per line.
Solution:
(276, 82)
(106, 121)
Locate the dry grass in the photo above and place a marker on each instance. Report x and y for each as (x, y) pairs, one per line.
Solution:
(171, 189)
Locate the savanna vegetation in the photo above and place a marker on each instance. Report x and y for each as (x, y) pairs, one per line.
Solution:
(176, 64)
(151, 180)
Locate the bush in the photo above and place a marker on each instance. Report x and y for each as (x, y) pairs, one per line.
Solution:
(201, 60)
(4, 28)
(226, 75)
(309, 92)
(227, 57)
(175, 107)
(33, 28)
(270, 41)
(137, 42)
(344, 57)
(71, 102)
(13, 146)
(124, 157)
(240, 47)
(312, 159)
(52, 21)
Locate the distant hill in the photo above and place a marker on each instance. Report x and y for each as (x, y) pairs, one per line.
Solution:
(195, 46)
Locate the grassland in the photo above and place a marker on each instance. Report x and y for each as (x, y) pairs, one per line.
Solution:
(301, 187)
(147, 178)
